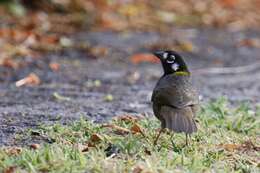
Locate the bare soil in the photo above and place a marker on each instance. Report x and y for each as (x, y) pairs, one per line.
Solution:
(129, 84)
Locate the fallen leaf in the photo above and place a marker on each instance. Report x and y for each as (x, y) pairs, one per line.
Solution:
(138, 58)
(11, 169)
(118, 129)
(54, 66)
(253, 42)
(99, 51)
(136, 129)
(13, 150)
(35, 146)
(95, 138)
(228, 3)
(8, 62)
(91, 145)
(127, 118)
(49, 39)
(31, 79)
(230, 147)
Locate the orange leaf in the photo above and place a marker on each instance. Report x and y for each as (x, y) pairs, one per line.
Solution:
(136, 129)
(54, 66)
(228, 3)
(31, 79)
(118, 129)
(50, 39)
(230, 147)
(142, 57)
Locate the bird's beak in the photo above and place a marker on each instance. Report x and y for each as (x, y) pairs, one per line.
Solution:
(158, 54)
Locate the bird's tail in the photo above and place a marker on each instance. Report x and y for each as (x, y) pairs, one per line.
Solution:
(178, 120)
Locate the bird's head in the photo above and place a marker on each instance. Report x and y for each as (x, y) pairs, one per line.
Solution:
(172, 62)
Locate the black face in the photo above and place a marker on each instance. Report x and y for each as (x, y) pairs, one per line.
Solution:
(171, 61)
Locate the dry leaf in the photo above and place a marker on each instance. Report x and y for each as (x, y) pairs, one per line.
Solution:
(136, 129)
(99, 51)
(8, 62)
(54, 66)
(11, 169)
(138, 58)
(49, 39)
(254, 42)
(228, 3)
(230, 147)
(118, 129)
(95, 138)
(247, 145)
(91, 145)
(127, 118)
(31, 79)
(35, 146)
(13, 150)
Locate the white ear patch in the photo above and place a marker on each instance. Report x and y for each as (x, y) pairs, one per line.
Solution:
(175, 66)
(165, 55)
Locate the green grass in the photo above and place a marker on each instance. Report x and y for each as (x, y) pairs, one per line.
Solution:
(226, 142)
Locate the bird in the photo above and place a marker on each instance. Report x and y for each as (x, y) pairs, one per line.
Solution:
(175, 101)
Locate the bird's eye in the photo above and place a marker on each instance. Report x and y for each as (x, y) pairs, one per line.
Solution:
(171, 59)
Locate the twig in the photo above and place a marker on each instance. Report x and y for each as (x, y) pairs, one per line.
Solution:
(157, 137)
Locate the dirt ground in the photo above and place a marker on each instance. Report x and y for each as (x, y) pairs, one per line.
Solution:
(100, 88)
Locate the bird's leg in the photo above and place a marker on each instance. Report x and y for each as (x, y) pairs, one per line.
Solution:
(187, 142)
(157, 137)
(173, 145)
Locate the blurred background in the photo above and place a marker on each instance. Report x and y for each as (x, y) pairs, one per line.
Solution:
(62, 59)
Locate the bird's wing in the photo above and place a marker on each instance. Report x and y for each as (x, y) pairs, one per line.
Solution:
(175, 91)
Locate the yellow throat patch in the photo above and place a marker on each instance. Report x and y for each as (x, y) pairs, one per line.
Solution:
(182, 73)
